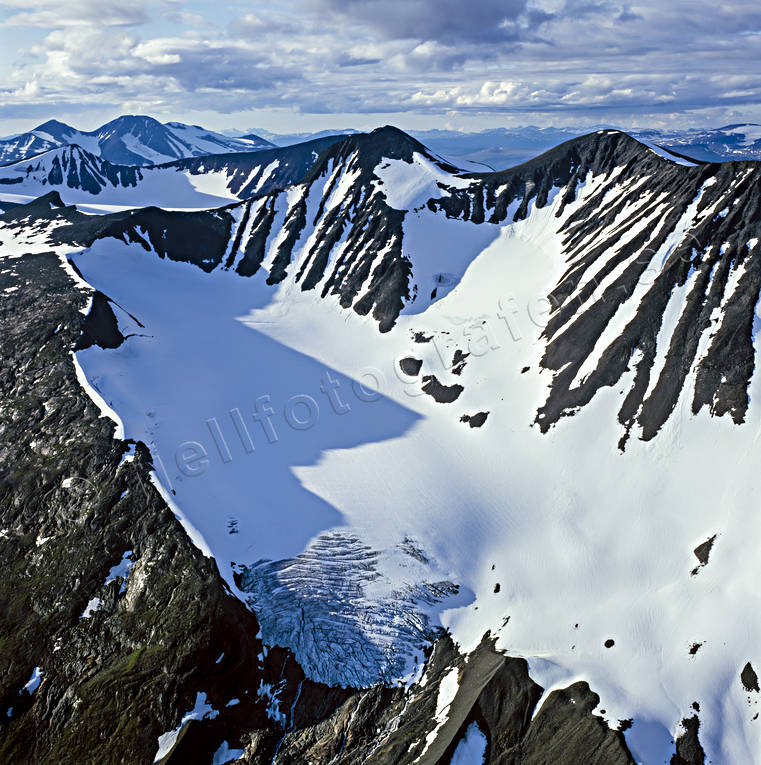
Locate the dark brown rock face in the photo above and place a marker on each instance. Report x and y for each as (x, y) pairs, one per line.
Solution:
(688, 748)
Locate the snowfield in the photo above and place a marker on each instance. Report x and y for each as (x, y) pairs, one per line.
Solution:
(287, 435)
(168, 187)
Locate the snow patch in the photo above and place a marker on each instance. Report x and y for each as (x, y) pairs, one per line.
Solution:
(407, 185)
(34, 681)
(225, 754)
(472, 747)
(121, 570)
(448, 688)
(93, 605)
(201, 711)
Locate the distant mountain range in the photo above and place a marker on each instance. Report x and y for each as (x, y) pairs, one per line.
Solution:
(731, 142)
(129, 140)
(142, 140)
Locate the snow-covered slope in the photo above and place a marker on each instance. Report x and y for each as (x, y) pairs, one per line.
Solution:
(393, 396)
(201, 141)
(49, 135)
(139, 140)
(129, 140)
(196, 183)
(71, 167)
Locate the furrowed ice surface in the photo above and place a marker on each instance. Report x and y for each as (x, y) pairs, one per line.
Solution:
(261, 410)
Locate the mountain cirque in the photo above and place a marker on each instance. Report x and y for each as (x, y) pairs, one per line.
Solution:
(640, 279)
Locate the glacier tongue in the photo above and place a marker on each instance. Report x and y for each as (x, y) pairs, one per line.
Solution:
(353, 616)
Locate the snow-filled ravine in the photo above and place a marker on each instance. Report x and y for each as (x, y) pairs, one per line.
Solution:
(283, 429)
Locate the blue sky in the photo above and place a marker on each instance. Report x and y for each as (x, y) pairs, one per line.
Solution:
(314, 64)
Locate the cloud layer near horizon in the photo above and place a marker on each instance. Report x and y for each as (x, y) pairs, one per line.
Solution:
(527, 60)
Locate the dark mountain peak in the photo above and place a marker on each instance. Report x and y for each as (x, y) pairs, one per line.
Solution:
(602, 143)
(136, 139)
(130, 120)
(38, 208)
(50, 201)
(390, 141)
(55, 128)
(369, 149)
(387, 142)
(55, 131)
(52, 198)
(600, 152)
(390, 130)
(567, 166)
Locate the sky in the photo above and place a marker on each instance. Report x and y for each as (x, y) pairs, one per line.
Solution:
(308, 65)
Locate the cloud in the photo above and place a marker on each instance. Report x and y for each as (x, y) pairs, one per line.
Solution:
(347, 59)
(616, 93)
(446, 21)
(90, 66)
(488, 94)
(57, 14)
(588, 59)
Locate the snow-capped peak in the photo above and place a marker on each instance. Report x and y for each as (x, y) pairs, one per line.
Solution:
(129, 140)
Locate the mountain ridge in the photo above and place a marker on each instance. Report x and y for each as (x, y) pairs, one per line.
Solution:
(497, 148)
(195, 182)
